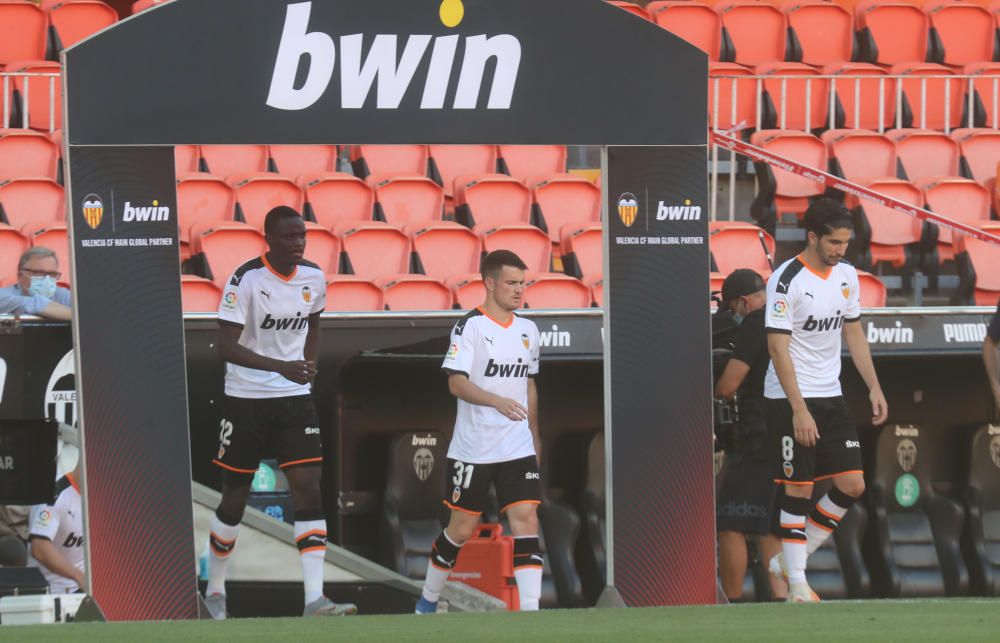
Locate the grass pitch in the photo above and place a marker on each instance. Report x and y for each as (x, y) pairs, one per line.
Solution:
(904, 621)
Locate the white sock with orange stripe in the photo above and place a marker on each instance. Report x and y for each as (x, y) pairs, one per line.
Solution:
(793, 536)
(221, 542)
(825, 517)
(310, 537)
(528, 571)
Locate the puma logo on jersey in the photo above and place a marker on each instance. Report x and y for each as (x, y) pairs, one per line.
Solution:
(266, 294)
(495, 369)
(284, 323)
(489, 339)
(823, 324)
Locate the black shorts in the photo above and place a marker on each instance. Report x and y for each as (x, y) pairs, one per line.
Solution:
(467, 486)
(283, 427)
(837, 451)
(747, 491)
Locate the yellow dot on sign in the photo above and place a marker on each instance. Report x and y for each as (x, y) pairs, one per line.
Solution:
(687, 201)
(155, 202)
(451, 12)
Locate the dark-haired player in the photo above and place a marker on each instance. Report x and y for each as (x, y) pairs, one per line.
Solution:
(813, 300)
(269, 337)
(490, 364)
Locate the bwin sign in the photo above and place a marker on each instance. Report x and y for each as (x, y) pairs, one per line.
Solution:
(357, 75)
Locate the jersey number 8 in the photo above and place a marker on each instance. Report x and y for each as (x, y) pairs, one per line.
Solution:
(463, 475)
(787, 448)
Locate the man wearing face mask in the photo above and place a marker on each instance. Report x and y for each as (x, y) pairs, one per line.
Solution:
(36, 292)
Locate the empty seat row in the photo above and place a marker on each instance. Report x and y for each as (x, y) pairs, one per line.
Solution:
(33, 101)
(29, 31)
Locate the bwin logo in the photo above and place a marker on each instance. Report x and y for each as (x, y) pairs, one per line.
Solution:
(284, 323)
(155, 212)
(686, 212)
(493, 369)
(357, 75)
(824, 324)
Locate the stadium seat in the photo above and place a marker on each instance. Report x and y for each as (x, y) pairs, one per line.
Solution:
(593, 511)
(186, 159)
(202, 199)
(297, 160)
(559, 528)
(27, 153)
(583, 251)
(837, 569)
(891, 32)
(522, 161)
(444, 248)
(23, 31)
(257, 193)
(401, 200)
(36, 100)
(694, 22)
(31, 200)
(793, 103)
(781, 191)
(335, 197)
(563, 199)
(986, 93)
(726, 82)
(229, 160)
(555, 290)
(597, 292)
(412, 513)
(982, 502)
(632, 8)
(450, 161)
(74, 20)
(964, 32)
(142, 5)
(821, 33)
(488, 200)
(347, 293)
(924, 154)
(414, 292)
(916, 530)
(883, 234)
(12, 245)
(939, 113)
(52, 235)
(757, 31)
(980, 150)
(526, 241)
(224, 247)
(389, 160)
(199, 295)
(958, 199)
(468, 290)
(738, 244)
(873, 291)
(856, 100)
(978, 266)
(322, 247)
(860, 155)
(372, 248)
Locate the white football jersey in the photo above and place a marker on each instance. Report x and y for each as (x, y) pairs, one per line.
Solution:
(498, 359)
(61, 523)
(274, 312)
(812, 307)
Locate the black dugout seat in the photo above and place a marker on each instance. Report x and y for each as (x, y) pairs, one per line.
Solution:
(412, 511)
(592, 506)
(916, 531)
(982, 500)
(837, 569)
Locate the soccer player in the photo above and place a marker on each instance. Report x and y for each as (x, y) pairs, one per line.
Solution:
(990, 343)
(813, 300)
(56, 538)
(490, 364)
(269, 335)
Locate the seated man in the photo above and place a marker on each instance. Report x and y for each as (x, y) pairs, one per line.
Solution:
(36, 292)
(56, 538)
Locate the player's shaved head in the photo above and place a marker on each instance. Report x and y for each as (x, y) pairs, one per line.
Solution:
(276, 215)
(495, 261)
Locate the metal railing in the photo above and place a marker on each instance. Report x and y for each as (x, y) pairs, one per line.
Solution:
(20, 81)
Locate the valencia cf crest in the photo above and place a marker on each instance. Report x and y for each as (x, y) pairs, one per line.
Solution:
(524, 340)
(628, 208)
(306, 294)
(93, 210)
(456, 494)
(845, 290)
(788, 469)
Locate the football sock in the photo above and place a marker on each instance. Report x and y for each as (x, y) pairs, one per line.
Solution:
(443, 557)
(793, 536)
(528, 571)
(825, 517)
(221, 541)
(310, 537)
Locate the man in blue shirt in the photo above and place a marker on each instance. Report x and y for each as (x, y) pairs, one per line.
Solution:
(36, 292)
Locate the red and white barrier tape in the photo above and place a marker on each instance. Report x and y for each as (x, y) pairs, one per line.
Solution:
(829, 180)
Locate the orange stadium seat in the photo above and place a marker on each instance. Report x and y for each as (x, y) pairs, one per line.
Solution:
(444, 248)
(33, 200)
(27, 153)
(583, 250)
(142, 5)
(52, 235)
(737, 244)
(986, 93)
(891, 31)
(257, 193)
(822, 32)
(526, 241)
(984, 261)
(888, 232)
(794, 103)
(199, 295)
(347, 293)
(74, 20)
(555, 290)
(597, 293)
(632, 8)
(322, 247)
(185, 159)
(467, 290)
(407, 199)
(23, 31)
(488, 200)
(757, 31)
(297, 160)
(938, 113)
(860, 155)
(564, 199)
(414, 292)
(226, 246)
(958, 199)
(725, 84)
(227, 160)
(202, 199)
(522, 161)
(781, 191)
(857, 99)
(965, 31)
(12, 245)
(450, 161)
(873, 290)
(335, 197)
(37, 99)
(372, 248)
(387, 160)
(980, 149)
(924, 154)
(697, 23)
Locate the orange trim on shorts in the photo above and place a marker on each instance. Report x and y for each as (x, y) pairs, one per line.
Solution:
(793, 482)
(309, 549)
(226, 466)
(840, 473)
(528, 567)
(298, 462)
(465, 511)
(827, 514)
(823, 527)
(520, 502)
(318, 532)
(795, 526)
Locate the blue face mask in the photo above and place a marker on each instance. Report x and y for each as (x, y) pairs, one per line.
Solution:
(42, 287)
